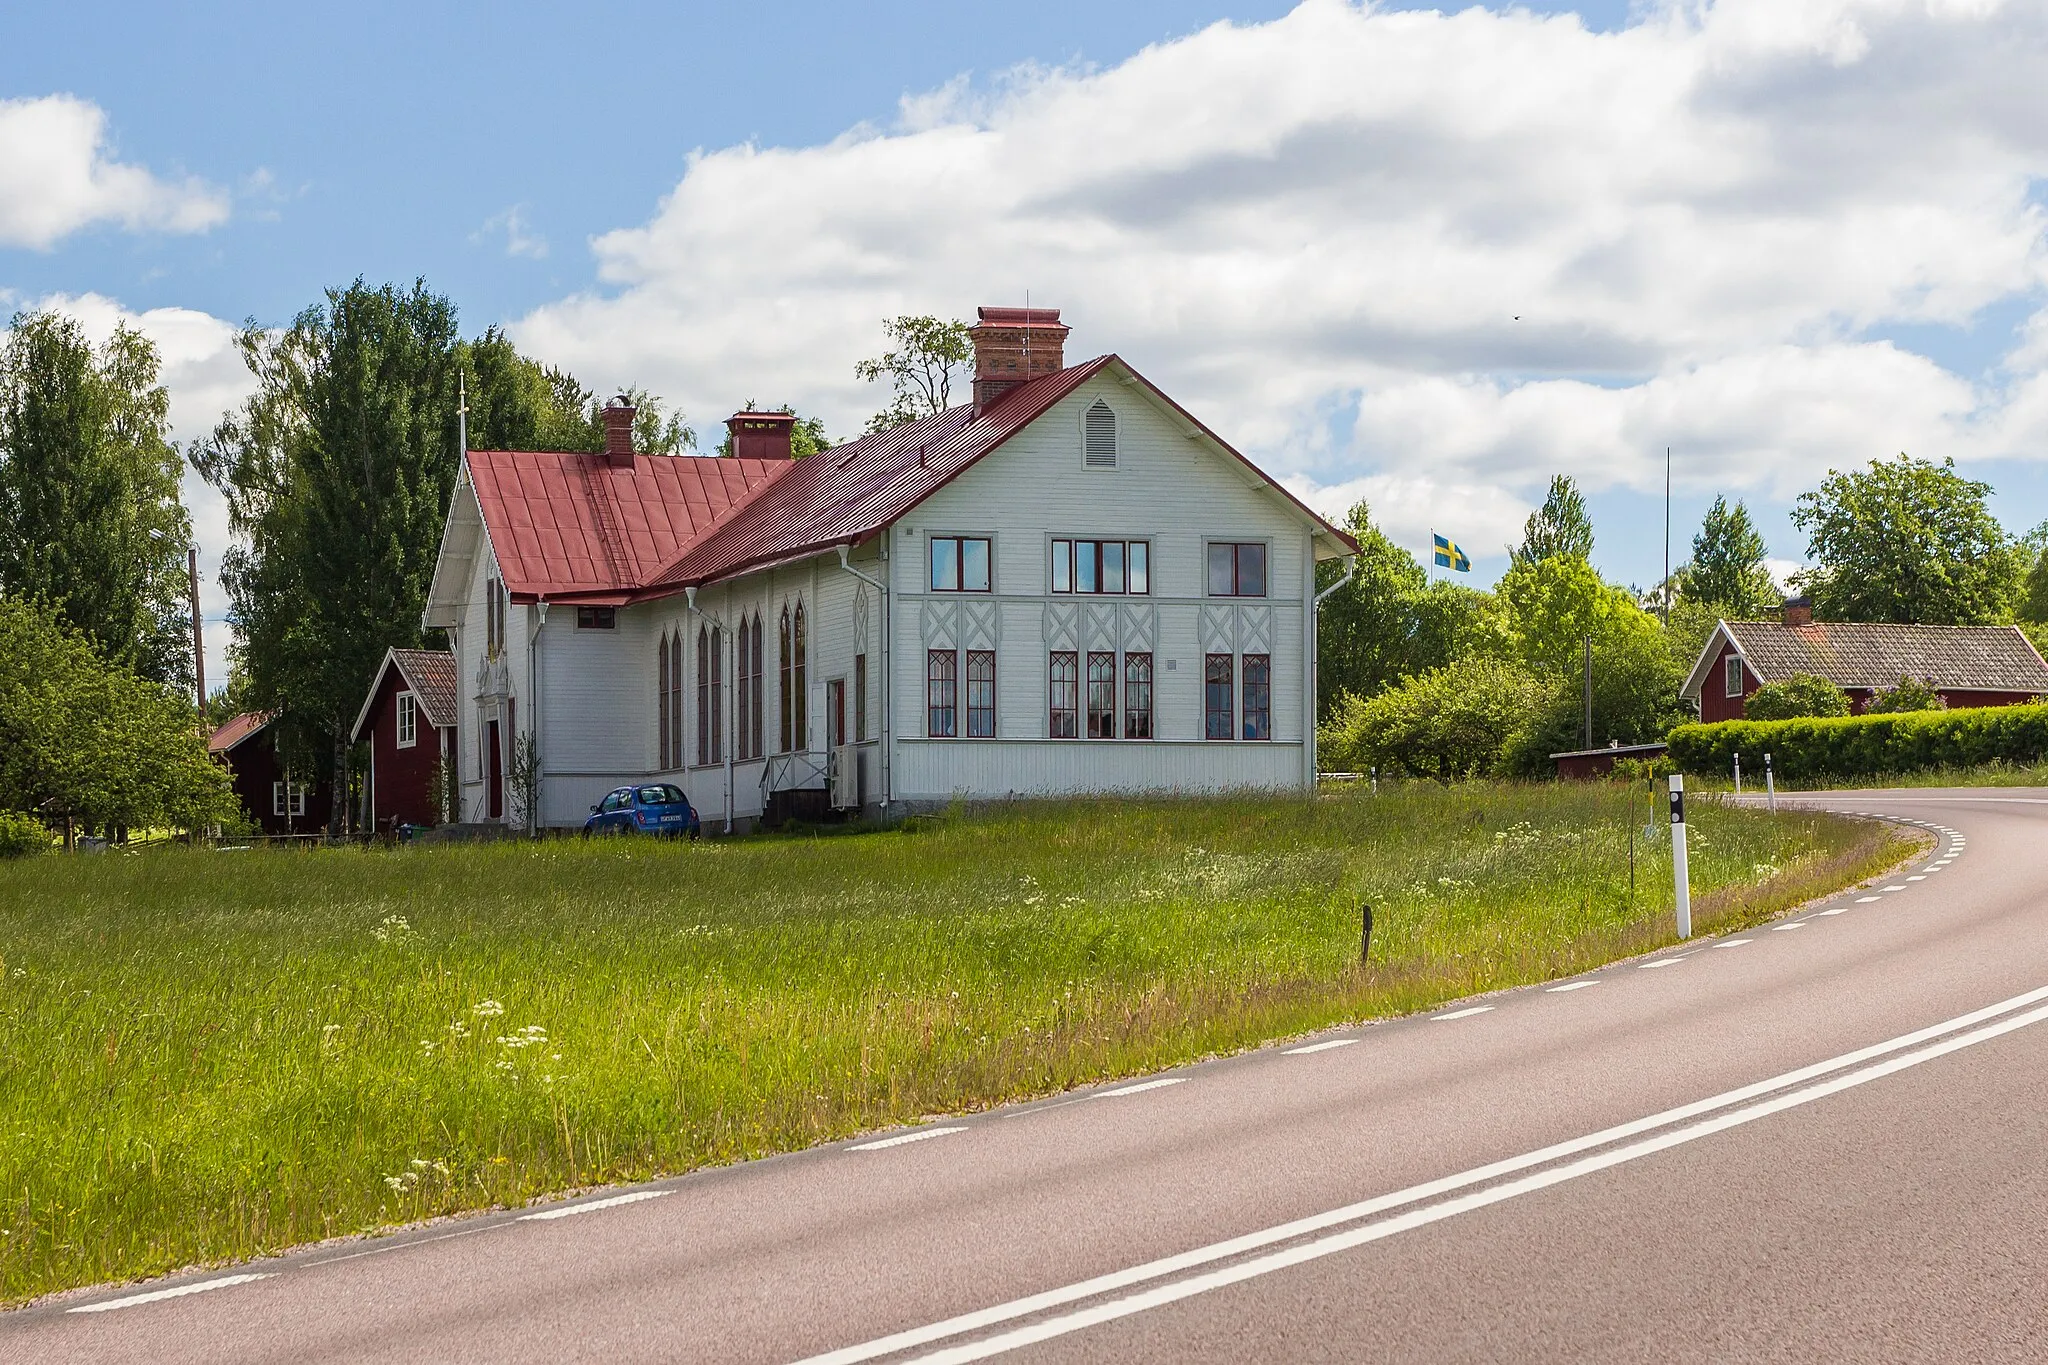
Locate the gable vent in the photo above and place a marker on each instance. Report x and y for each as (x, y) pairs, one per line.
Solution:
(1099, 437)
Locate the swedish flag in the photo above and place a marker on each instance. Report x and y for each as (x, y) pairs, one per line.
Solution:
(1449, 556)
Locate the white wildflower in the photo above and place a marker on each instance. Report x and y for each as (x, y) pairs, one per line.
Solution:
(392, 929)
(487, 1009)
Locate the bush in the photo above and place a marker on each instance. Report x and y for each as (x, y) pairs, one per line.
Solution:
(1869, 746)
(1912, 694)
(1446, 724)
(1802, 694)
(21, 835)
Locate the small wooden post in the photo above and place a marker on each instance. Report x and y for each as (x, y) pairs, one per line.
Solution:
(1364, 933)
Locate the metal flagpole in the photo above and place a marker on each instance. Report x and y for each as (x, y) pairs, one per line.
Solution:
(1667, 537)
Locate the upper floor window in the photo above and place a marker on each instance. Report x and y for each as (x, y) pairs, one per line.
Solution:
(960, 564)
(494, 617)
(597, 618)
(1237, 568)
(1731, 676)
(408, 721)
(1102, 566)
(1098, 437)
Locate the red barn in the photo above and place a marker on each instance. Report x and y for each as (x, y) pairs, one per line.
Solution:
(1967, 665)
(276, 799)
(409, 721)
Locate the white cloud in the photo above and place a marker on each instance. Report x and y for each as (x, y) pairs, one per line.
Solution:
(56, 177)
(1510, 245)
(204, 373)
(520, 240)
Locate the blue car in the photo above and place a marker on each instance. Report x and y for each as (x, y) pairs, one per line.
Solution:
(651, 808)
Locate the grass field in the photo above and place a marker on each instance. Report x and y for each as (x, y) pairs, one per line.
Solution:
(204, 1056)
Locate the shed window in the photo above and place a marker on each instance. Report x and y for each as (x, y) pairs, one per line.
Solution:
(408, 721)
(1731, 673)
(287, 798)
(1098, 437)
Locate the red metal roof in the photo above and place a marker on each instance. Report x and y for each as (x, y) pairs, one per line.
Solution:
(568, 524)
(680, 521)
(237, 729)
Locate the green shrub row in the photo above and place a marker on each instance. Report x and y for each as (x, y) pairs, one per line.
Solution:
(1866, 746)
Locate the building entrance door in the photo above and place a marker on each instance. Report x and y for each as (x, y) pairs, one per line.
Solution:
(835, 712)
(494, 768)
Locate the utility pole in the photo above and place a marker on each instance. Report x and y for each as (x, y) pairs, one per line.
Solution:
(198, 638)
(1589, 694)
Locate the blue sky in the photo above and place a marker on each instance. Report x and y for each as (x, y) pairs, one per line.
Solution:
(1426, 259)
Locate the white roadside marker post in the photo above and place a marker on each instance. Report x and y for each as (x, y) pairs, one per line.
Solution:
(1738, 773)
(1770, 784)
(1678, 877)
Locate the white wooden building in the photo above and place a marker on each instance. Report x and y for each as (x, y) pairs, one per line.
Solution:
(1068, 585)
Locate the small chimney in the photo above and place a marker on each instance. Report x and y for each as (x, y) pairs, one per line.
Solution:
(1012, 345)
(1797, 611)
(761, 435)
(618, 432)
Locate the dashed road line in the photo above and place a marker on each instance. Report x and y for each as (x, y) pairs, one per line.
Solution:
(919, 1136)
(1734, 942)
(1838, 910)
(1464, 1013)
(571, 1210)
(159, 1295)
(1318, 1047)
(1865, 900)
(1663, 962)
(1795, 924)
(1571, 986)
(1140, 1087)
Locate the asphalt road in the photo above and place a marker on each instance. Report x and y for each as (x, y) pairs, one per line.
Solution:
(1819, 1140)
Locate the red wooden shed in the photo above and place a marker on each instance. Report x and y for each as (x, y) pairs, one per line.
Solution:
(279, 801)
(409, 720)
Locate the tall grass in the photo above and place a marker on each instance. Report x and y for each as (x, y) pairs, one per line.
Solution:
(209, 1055)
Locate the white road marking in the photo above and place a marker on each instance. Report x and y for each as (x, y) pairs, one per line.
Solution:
(158, 1295)
(1141, 1087)
(919, 1136)
(1865, 900)
(1733, 942)
(1781, 928)
(1838, 910)
(1571, 986)
(1318, 1047)
(1936, 868)
(1917, 877)
(1463, 1013)
(1900, 887)
(570, 1210)
(1663, 962)
(1237, 1246)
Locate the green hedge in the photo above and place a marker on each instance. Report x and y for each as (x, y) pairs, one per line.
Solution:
(1866, 746)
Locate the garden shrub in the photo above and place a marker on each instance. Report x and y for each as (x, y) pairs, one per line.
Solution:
(21, 835)
(1802, 694)
(1912, 694)
(1869, 746)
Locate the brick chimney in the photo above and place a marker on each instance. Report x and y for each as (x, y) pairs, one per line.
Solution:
(1012, 345)
(618, 433)
(761, 435)
(1797, 611)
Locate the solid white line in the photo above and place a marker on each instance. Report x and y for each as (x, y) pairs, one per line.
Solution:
(1571, 986)
(158, 1295)
(1141, 1087)
(919, 1136)
(1478, 1199)
(1466, 1013)
(1350, 1213)
(1733, 942)
(1318, 1047)
(571, 1210)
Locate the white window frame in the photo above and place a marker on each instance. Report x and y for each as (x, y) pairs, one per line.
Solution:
(287, 798)
(1732, 678)
(408, 720)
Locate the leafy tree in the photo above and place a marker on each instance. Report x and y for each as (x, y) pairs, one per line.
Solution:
(806, 436)
(1553, 604)
(83, 740)
(90, 516)
(1446, 723)
(1559, 528)
(516, 403)
(1911, 694)
(1907, 540)
(1802, 694)
(925, 352)
(1727, 566)
(1635, 698)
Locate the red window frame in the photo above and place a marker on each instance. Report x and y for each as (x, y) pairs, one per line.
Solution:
(1219, 695)
(1138, 696)
(1101, 694)
(981, 694)
(942, 694)
(1063, 677)
(1257, 687)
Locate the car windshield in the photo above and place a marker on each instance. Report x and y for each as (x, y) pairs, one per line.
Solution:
(661, 794)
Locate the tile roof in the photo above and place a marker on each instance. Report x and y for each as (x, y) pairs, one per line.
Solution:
(568, 524)
(1870, 655)
(237, 729)
(430, 673)
(571, 526)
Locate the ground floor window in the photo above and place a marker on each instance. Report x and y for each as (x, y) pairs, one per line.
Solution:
(981, 694)
(1219, 700)
(1137, 696)
(942, 690)
(860, 698)
(1102, 695)
(287, 798)
(1064, 679)
(1258, 696)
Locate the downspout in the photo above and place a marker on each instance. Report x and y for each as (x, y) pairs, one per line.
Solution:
(888, 669)
(1315, 661)
(540, 610)
(690, 601)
